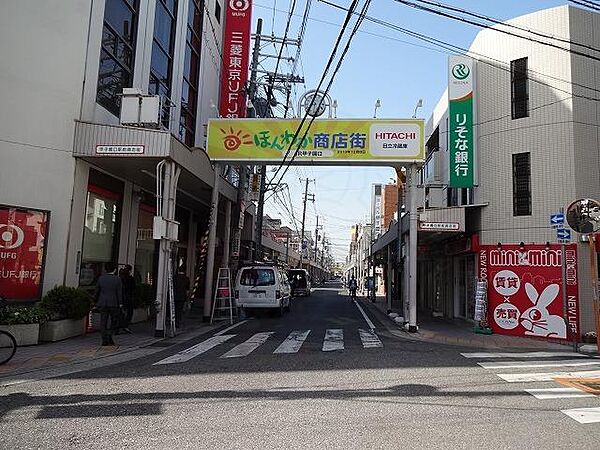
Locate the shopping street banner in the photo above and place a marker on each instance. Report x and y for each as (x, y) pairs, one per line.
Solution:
(22, 246)
(327, 141)
(525, 290)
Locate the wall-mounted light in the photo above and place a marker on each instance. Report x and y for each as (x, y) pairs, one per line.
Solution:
(547, 247)
(499, 246)
(521, 245)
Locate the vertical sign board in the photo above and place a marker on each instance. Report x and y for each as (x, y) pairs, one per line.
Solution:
(376, 211)
(460, 122)
(525, 290)
(236, 55)
(22, 248)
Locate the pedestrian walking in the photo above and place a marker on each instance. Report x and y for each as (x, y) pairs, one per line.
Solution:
(182, 287)
(109, 298)
(128, 297)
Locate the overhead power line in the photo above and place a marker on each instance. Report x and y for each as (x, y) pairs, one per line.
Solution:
(588, 4)
(361, 17)
(349, 14)
(499, 30)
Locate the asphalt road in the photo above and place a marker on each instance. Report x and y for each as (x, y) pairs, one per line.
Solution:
(292, 385)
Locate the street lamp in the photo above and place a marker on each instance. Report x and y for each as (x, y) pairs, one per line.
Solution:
(334, 105)
(377, 105)
(417, 106)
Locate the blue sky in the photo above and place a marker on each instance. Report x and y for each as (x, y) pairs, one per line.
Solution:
(381, 64)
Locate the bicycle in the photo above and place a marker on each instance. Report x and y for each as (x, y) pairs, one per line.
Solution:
(8, 343)
(352, 295)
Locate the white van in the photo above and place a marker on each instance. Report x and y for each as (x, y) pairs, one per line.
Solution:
(263, 286)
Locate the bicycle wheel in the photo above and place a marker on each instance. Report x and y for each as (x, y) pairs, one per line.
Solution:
(8, 347)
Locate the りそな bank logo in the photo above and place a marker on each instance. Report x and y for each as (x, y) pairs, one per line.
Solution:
(460, 71)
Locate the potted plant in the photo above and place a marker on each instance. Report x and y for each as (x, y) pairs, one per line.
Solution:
(23, 322)
(142, 301)
(67, 309)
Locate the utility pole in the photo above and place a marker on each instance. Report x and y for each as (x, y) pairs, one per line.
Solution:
(316, 239)
(304, 219)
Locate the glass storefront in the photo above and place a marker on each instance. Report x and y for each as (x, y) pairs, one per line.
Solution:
(101, 233)
(145, 247)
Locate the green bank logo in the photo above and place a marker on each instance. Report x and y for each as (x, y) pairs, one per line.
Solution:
(460, 71)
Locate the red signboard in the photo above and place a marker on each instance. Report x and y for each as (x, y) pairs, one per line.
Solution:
(525, 290)
(236, 54)
(22, 247)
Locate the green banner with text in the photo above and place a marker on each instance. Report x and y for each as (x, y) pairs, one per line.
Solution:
(461, 143)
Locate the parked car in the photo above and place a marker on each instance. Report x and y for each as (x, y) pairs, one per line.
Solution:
(300, 282)
(264, 287)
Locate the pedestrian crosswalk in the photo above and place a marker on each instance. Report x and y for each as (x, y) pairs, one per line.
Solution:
(523, 367)
(332, 340)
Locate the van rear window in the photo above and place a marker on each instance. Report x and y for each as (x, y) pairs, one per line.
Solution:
(257, 277)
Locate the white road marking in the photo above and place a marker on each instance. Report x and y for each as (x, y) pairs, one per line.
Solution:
(583, 415)
(550, 393)
(247, 347)
(369, 323)
(546, 376)
(192, 352)
(527, 364)
(230, 328)
(293, 342)
(523, 355)
(369, 339)
(334, 340)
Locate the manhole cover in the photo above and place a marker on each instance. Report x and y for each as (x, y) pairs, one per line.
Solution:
(591, 385)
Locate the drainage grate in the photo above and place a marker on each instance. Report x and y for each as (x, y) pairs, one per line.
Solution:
(591, 385)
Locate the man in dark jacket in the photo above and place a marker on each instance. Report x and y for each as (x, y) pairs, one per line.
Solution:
(182, 287)
(109, 298)
(128, 296)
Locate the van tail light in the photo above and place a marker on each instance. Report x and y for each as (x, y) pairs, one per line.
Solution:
(237, 294)
(278, 294)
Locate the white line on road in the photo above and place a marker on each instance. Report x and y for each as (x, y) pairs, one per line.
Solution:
(546, 376)
(523, 355)
(334, 340)
(192, 352)
(550, 393)
(526, 364)
(230, 328)
(369, 339)
(247, 347)
(583, 415)
(293, 342)
(369, 323)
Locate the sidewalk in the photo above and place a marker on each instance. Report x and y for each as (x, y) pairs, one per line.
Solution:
(54, 356)
(458, 332)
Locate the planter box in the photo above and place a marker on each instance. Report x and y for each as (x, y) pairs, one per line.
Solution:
(57, 330)
(24, 334)
(140, 315)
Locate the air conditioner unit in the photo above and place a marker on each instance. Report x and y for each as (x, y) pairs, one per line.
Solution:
(138, 109)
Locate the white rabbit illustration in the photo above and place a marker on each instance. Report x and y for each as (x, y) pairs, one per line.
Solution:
(537, 320)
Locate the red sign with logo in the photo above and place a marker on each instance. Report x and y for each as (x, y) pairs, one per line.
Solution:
(22, 247)
(236, 55)
(525, 290)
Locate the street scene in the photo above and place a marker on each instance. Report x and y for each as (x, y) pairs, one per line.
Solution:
(302, 224)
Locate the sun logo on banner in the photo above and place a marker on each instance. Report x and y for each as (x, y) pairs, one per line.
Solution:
(233, 140)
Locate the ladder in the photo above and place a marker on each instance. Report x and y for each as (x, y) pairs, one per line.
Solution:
(223, 307)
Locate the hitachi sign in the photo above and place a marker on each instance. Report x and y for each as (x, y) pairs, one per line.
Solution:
(389, 135)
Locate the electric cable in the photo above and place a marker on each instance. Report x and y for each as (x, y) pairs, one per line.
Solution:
(587, 4)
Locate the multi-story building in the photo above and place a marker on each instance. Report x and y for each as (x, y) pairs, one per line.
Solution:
(64, 151)
(535, 125)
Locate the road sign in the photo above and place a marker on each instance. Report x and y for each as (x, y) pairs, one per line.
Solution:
(557, 220)
(563, 234)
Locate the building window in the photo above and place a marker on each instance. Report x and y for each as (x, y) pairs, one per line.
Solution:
(163, 49)
(218, 11)
(191, 69)
(519, 88)
(117, 52)
(521, 184)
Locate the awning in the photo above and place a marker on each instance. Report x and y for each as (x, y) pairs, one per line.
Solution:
(132, 153)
